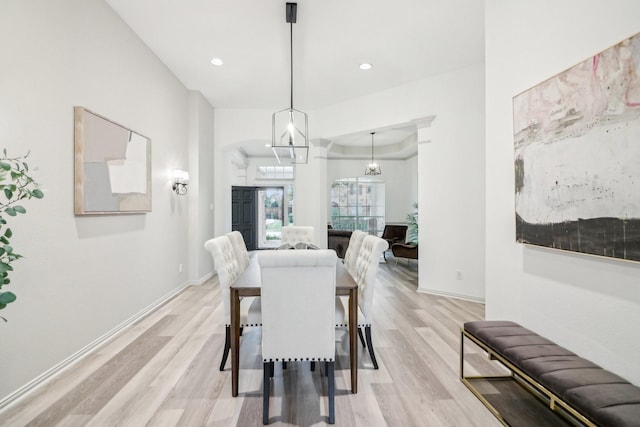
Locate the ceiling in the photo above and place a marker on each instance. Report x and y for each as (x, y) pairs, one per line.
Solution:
(404, 40)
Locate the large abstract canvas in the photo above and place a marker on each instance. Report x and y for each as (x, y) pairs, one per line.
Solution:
(112, 167)
(577, 157)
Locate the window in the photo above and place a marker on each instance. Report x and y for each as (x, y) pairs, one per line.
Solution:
(358, 204)
(275, 210)
(274, 172)
(270, 216)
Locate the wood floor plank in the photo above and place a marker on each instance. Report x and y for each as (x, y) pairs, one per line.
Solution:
(142, 396)
(163, 370)
(93, 393)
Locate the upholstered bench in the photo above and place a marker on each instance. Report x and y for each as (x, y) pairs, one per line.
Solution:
(570, 384)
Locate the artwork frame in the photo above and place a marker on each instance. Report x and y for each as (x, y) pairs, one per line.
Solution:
(112, 167)
(576, 157)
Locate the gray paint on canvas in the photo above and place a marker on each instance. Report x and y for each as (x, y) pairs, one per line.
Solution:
(97, 190)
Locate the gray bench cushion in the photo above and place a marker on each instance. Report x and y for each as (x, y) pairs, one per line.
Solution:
(600, 395)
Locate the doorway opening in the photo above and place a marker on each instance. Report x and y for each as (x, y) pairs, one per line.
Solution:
(271, 216)
(259, 213)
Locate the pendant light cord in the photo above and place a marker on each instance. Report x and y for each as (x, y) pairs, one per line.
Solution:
(372, 133)
(291, 60)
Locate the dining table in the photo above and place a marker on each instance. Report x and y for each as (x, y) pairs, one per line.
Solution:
(248, 285)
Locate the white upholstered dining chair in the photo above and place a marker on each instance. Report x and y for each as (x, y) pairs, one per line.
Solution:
(352, 250)
(228, 269)
(240, 248)
(364, 271)
(298, 313)
(293, 234)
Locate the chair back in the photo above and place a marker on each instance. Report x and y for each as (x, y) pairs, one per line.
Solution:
(355, 242)
(394, 233)
(293, 234)
(225, 263)
(240, 248)
(298, 304)
(365, 271)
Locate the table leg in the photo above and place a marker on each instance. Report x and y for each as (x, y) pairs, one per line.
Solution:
(235, 340)
(353, 338)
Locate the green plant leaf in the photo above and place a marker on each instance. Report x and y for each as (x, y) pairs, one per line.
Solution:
(7, 297)
(4, 267)
(15, 185)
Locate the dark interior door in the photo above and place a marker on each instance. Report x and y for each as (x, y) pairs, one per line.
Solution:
(244, 215)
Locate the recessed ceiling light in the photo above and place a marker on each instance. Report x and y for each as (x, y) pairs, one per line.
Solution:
(216, 61)
(267, 145)
(365, 66)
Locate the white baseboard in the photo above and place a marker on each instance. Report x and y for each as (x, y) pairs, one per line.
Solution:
(201, 280)
(69, 361)
(451, 295)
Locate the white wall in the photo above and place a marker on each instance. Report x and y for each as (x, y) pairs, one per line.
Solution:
(590, 305)
(452, 184)
(83, 276)
(232, 129)
(450, 170)
(400, 178)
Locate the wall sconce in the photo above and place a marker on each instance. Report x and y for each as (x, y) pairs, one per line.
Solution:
(180, 181)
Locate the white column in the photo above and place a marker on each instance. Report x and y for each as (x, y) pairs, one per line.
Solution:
(425, 135)
(311, 193)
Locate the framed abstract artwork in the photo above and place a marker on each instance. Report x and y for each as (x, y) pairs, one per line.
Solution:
(112, 167)
(577, 157)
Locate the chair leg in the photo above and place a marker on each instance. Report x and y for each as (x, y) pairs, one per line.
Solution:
(332, 392)
(367, 331)
(313, 366)
(272, 368)
(361, 337)
(266, 368)
(227, 346)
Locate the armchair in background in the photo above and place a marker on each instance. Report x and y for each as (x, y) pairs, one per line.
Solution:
(405, 250)
(338, 240)
(394, 234)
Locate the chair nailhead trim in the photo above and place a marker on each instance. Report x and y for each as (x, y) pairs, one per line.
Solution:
(284, 359)
(245, 325)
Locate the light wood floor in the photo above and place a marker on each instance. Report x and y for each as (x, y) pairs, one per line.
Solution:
(163, 371)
